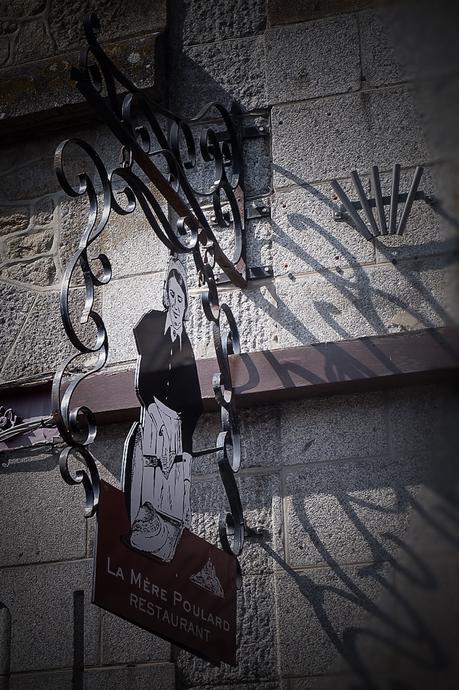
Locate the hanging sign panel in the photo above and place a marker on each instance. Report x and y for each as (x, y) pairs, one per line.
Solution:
(190, 600)
(150, 568)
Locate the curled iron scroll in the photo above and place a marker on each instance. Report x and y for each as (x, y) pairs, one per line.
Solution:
(150, 136)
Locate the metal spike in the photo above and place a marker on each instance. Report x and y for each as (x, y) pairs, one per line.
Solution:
(358, 222)
(376, 189)
(410, 198)
(394, 199)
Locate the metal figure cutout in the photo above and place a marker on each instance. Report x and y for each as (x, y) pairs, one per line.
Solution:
(157, 458)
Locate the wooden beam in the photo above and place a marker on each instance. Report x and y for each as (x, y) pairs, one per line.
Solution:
(272, 376)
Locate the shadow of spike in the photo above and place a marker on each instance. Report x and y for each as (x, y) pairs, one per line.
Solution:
(410, 198)
(364, 202)
(347, 203)
(377, 193)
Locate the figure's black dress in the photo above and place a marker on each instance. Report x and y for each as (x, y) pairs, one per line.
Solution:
(167, 371)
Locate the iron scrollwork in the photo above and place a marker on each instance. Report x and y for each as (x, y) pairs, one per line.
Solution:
(159, 149)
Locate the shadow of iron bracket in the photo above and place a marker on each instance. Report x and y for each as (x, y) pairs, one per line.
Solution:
(253, 273)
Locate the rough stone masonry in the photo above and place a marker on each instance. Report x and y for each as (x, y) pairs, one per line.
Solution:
(353, 581)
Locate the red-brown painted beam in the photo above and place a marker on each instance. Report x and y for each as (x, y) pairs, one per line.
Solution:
(284, 374)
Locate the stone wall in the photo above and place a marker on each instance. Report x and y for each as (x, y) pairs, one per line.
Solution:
(352, 581)
(336, 92)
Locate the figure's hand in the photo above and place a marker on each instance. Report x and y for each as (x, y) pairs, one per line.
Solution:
(165, 434)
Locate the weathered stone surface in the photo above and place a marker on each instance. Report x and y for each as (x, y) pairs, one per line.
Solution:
(40, 272)
(34, 179)
(256, 640)
(380, 60)
(266, 685)
(323, 429)
(123, 642)
(8, 28)
(255, 311)
(306, 238)
(158, 676)
(5, 641)
(367, 301)
(330, 137)
(424, 43)
(4, 49)
(430, 609)
(16, 304)
(43, 212)
(313, 59)
(429, 231)
(125, 301)
(233, 70)
(260, 496)
(13, 219)
(417, 294)
(282, 12)
(117, 20)
(344, 617)
(334, 682)
(21, 8)
(421, 420)
(33, 43)
(26, 246)
(43, 344)
(40, 598)
(439, 101)
(347, 512)
(193, 23)
(132, 245)
(50, 87)
(59, 680)
(45, 516)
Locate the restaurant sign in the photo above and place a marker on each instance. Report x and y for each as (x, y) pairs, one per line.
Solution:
(190, 600)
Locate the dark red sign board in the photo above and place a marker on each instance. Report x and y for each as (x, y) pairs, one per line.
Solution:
(190, 601)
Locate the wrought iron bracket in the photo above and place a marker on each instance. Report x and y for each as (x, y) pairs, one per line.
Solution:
(258, 209)
(8, 418)
(255, 131)
(166, 149)
(253, 273)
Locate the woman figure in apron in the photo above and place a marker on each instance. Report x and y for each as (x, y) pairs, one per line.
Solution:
(157, 454)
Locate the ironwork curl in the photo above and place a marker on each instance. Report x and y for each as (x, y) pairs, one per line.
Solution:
(148, 133)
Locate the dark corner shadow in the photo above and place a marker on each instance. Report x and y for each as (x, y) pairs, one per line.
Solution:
(400, 637)
(347, 641)
(407, 632)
